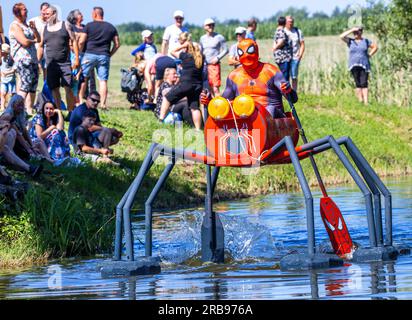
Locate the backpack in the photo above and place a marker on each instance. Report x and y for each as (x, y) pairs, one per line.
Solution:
(130, 80)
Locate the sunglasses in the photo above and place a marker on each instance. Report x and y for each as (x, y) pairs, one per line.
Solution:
(95, 100)
(179, 18)
(210, 25)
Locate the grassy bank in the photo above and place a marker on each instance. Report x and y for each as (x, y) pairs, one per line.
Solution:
(70, 211)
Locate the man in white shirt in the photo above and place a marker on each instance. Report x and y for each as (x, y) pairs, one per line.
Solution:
(172, 32)
(41, 22)
(298, 46)
(214, 49)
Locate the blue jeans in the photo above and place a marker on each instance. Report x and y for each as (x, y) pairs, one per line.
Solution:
(294, 69)
(284, 68)
(100, 62)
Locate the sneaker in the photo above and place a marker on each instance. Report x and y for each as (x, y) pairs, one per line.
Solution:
(35, 170)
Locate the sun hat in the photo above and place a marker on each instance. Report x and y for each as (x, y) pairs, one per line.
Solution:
(240, 30)
(178, 13)
(146, 34)
(208, 21)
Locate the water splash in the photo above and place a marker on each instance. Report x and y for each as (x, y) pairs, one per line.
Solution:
(248, 240)
(177, 246)
(244, 240)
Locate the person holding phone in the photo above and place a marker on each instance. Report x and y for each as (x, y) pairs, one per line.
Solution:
(359, 60)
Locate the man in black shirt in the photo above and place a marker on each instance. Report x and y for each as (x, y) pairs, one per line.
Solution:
(97, 40)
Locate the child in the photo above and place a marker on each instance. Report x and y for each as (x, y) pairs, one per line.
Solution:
(8, 76)
(147, 49)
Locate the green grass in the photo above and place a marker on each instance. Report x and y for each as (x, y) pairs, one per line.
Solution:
(70, 211)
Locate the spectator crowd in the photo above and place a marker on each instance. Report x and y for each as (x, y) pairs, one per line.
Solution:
(76, 57)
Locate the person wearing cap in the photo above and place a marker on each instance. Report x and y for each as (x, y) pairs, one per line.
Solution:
(233, 54)
(359, 64)
(8, 74)
(147, 48)
(251, 28)
(214, 49)
(172, 33)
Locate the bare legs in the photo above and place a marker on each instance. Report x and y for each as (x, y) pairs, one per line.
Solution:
(9, 154)
(28, 100)
(362, 95)
(365, 95)
(106, 138)
(164, 108)
(40, 147)
(103, 93)
(70, 99)
(197, 118)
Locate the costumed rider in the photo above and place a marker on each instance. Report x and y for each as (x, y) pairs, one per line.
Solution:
(264, 82)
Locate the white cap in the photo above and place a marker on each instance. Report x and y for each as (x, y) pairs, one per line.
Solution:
(178, 13)
(5, 47)
(240, 30)
(146, 34)
(208, 21)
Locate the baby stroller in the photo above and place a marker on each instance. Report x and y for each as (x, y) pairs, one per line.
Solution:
(131, 83)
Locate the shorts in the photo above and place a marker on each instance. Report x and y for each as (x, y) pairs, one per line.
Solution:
(361, 77)
(284, 68)
(185, 89)
(96, 142)
(99, 61)
(162, 63)
(29, 76)
(213, 72)
(294, 69)
(9, 87)
(59, 75)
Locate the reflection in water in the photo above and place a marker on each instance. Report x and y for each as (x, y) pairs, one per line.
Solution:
(258, 232)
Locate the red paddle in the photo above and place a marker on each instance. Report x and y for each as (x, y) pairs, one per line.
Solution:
(331, 216)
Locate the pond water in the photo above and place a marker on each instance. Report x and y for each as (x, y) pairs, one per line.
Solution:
(258, 232)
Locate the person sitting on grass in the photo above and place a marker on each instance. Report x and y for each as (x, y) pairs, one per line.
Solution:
(106, 136)
(190, 84)
(48, 128)
(180, 108)
(24, 147)
(7, 155)
(88, 146)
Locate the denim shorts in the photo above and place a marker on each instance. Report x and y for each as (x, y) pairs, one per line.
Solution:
(100, 62)
(9, 87)
(294, 69)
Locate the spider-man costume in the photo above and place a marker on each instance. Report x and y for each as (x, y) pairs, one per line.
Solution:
(264, 82)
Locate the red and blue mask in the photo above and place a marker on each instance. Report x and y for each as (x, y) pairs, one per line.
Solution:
(248, 52)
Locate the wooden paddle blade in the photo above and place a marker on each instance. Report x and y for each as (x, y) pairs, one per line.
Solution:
(336, 227)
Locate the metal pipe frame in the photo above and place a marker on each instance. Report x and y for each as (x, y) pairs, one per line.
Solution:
(120, 214)
(148, 206)
(374, 182)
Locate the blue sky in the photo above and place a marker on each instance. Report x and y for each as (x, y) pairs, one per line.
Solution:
(157, 12)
